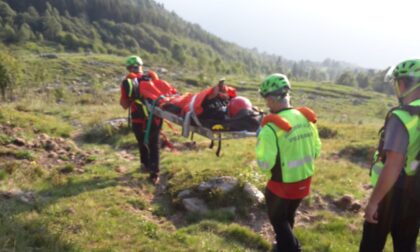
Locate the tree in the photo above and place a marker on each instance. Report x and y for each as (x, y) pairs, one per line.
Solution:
(178, 53)
(9, 73)
(347, 79)
(25, 33)
(5, 80)
(363, 80)
(6, 12)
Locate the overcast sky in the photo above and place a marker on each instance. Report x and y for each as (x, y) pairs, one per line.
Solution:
(369, 33)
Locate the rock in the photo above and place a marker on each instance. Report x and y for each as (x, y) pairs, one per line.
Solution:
(43, 136)
(27, 197)
(50, 145)
(254, 194)
(52, 155)
(319, 202)
(62, 152)
(344, 202)
(19, 141)
(80, 170)
(356, 206)
(67, 169)
(224, 184)
(162, 70)
(184, 194)
(121, 169)
(195, 205)
(116, 123)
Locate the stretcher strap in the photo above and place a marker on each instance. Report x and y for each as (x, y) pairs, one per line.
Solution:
(193, 115)
(150, 120)
(219, 145)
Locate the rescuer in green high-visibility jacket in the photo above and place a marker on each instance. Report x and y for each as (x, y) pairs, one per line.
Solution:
(393, 206)
(288, 144)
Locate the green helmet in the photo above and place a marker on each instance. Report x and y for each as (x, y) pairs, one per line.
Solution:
(133, 61)
(275, 84)
(407, 69)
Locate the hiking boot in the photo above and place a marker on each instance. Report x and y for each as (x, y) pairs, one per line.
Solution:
(144, 168)
(154, 178)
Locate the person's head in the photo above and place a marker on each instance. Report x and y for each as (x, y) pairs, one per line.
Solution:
(275, 90)
(237, 104)
(134, 64)
(405, 78)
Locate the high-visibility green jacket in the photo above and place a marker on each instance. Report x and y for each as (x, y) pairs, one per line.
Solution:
(412, 125)
(297, 148)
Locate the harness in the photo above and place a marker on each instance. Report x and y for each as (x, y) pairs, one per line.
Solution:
(380, 155)
(412, 110)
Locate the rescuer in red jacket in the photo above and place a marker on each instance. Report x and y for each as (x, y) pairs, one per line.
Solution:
(136, 88)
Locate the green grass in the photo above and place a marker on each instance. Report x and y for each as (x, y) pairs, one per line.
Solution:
(105, 210)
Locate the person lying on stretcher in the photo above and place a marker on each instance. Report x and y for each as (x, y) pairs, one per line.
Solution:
(217, 105)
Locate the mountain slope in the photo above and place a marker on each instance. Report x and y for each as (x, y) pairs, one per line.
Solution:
(146, 28)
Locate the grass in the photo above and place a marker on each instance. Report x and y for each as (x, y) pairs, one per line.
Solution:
(105, 210)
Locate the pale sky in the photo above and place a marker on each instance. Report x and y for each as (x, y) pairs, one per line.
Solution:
(369, 33)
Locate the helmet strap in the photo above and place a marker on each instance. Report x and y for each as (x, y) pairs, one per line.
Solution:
(408, 92)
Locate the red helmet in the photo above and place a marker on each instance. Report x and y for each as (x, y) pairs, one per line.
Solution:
(237, 104)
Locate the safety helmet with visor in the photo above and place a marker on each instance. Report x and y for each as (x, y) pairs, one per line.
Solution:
(407, 71)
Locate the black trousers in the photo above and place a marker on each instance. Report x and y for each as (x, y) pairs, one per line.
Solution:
(149, 154)
(281, 213)
(398, 215)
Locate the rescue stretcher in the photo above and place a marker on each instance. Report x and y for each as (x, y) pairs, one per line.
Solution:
(191, 125)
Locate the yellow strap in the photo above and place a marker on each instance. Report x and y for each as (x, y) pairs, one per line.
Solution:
(130, 86)
(145, 111)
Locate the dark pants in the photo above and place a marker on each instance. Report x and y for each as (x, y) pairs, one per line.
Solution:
(281, 213)
(149, 154)
(397, 214)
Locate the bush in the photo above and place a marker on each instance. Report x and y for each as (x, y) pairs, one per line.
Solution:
(326, 132)
(358, 152)
(25, 155)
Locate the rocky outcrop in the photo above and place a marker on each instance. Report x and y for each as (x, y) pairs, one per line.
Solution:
(198, 199)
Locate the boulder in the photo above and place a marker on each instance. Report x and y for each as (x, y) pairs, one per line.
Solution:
(224, 184)
(195, 205)
(254, 194)
(184, 194)
(19, 141)
(345, 202)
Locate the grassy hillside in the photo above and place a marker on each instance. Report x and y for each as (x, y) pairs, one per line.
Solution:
(145, 27)
(70, 183)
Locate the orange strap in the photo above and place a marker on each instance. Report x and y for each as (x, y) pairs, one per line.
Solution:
(308, 113)
(277, 120)
(283, 123)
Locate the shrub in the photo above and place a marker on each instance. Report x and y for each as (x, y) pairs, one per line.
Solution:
(326, 132)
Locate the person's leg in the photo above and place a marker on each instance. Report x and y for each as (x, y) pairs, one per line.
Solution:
(278, 212)
(405, 228)
(154, 152)
(293, 206)
(143, 150)
(374, 235)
